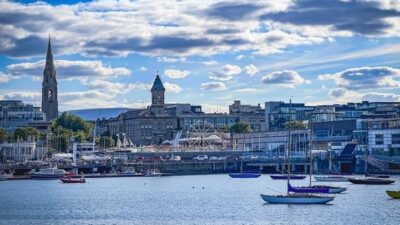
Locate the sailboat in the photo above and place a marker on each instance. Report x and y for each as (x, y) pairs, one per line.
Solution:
(244, 174)
(316, 188)
(393, 194)
(370, 180)
(332, 177)
(296, 198)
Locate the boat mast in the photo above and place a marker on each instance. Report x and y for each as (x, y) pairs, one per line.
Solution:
(289, 146)
(330, 152)
(310, 151)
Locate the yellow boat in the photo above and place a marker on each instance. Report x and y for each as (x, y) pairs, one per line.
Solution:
(394, 194)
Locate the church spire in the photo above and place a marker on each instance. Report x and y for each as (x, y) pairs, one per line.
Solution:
(49, 87)
(49, 70)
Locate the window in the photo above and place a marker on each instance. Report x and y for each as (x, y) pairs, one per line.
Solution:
(379, 139)
(395, 138)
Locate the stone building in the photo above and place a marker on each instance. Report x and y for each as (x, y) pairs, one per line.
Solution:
(49, 87)
(145, 126)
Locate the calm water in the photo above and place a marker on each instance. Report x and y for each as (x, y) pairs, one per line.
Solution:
(182, 200)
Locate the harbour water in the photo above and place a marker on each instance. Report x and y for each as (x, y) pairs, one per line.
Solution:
(201, 199)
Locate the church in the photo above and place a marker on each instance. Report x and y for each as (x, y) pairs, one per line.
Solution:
(49, 87)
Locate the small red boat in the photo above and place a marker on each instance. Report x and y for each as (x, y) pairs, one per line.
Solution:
(71, 180)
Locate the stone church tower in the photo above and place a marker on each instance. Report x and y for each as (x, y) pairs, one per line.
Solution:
(157, 96)
(49, 87)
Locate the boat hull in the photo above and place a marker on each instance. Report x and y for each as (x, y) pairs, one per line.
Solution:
(308, 189)
(371, 181)
(293, 199)
(331, 179)
(284, 177)
(244, 175)
(332, 189)
(72, 180)
(393, 194)
(46, 177)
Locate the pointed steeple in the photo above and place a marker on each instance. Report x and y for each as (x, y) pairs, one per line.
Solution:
(157, 84)
(49, 70)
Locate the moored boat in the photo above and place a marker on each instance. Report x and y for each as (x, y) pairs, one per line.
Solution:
(332, 189)
(48, 173)
(245, 175)
(295, 198)
(371, 181)
(302, 198)
(331, 178)
(71, 180)
(310, 189)
(285, 177)
(393, 194)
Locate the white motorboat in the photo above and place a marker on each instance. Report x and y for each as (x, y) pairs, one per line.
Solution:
(48, 173)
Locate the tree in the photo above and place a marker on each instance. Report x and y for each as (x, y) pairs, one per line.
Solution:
(240, 128)
(72, 122)
(3, 135)
(105, 141)
(25, 132)
(67, 125)
(295, 124)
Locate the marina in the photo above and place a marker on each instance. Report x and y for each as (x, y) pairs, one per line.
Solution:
(200, 199)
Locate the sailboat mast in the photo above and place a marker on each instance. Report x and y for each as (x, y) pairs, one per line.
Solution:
(310, 151)
(289, 145)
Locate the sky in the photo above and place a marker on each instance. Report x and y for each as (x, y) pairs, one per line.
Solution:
(207, 53)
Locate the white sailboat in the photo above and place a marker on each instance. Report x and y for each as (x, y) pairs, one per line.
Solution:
(295, 198)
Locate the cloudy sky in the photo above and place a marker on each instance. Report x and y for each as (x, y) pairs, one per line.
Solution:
(207, 52)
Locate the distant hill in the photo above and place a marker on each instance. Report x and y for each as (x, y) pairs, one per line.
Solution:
(93, 114)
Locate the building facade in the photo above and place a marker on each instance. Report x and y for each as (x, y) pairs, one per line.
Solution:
(252, 115)
(14, 114)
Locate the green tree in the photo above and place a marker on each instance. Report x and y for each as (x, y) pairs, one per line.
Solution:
(105, 141)
(72, 122)
(240, 128)
(295, 124)
(61, 138)
(25, 132)
(3, 135)
(67, 125)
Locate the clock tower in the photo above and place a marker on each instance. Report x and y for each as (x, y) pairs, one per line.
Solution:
(157, 96)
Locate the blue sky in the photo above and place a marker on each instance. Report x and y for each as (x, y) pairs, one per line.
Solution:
(207, 52)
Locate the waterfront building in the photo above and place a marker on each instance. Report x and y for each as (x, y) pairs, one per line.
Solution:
(252, 115)
(277, 114)
(273, 143)
(22, 151)
(49, 87)
(15, 113)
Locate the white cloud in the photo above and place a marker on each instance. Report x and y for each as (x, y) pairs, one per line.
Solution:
(231, 70)
(67, 69)
(143, 68)
(239, 57)
(287, 78)
(245, 90)
(227, 73)
(5, 78)
(213, 86)
(176, 74)
(210, 63)
(251, 69)
(365, 78)
(176, 29)
(173, 88)
(170, 59)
